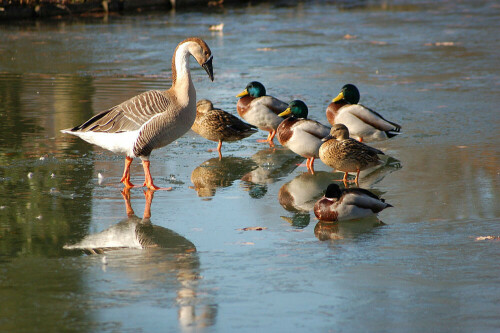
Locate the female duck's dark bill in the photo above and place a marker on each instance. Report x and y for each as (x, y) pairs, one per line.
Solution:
(208, 68)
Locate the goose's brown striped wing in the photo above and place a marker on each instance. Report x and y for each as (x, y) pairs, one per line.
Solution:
(127, 116)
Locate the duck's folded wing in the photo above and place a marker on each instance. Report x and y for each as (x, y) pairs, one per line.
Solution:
(232, 121)
(362, 200)
(369, 149)
(314, 128)
(127, 116)
(373, 118)
(272, 103)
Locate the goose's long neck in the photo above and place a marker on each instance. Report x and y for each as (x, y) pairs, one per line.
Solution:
(181, 75)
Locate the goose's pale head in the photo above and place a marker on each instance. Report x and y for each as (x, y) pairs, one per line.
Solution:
(200, 51)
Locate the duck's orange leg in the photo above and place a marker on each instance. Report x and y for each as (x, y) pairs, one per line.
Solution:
(126, 173)
(345, 179)
(310, 164)
(271, 137)
(148, 182)
(357, 178)
(219, 147)
(265, 140)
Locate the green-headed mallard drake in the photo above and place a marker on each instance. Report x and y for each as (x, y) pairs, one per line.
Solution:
(345, 204)
(362, 122)
(347, 155)
(260, 110)
(301, 135)
(219, 125)
(152, 119)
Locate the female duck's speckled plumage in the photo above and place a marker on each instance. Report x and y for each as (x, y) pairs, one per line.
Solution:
(345, 204)
(219, 125)
(152, 119)
(260, 110)
(347, 155)
(362, 122)
(301, 135)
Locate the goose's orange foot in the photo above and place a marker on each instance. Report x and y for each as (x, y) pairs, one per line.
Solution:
(153, 187)
(148, 182)
(126, 181)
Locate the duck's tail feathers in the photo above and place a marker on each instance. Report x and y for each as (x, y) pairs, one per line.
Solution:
(391, 133)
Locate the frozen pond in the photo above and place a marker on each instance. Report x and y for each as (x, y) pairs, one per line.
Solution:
(428, 264)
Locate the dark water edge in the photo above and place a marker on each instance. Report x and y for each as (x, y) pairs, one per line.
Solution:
(19, 10)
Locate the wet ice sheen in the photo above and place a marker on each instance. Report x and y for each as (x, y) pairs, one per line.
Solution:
(431, 67)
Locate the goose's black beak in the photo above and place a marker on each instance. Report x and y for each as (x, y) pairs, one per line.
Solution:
(208, 68)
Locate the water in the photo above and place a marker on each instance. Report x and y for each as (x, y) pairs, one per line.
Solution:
(433, 67)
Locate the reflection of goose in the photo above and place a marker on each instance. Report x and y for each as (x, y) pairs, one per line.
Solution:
(134, 232)
(327, 230)
(301, 193)
(215, 173)
(152, 119)
(350, 203)
(273, 163)
(155, 258)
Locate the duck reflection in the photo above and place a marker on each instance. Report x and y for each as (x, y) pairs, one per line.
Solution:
(300, 194)
(331, 231)
(155, 257)
(215, 172)
(298, 220)
(374, 175)
(272, 164)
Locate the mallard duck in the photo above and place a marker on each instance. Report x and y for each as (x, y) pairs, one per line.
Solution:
(152, 119)
(362, 122)
(347, 155)
(219, 125)
(345, 204)
(260, 110)
(301, 135)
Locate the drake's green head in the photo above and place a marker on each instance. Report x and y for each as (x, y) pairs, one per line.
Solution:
(348, 93)
(254, 89)
(297, 108)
